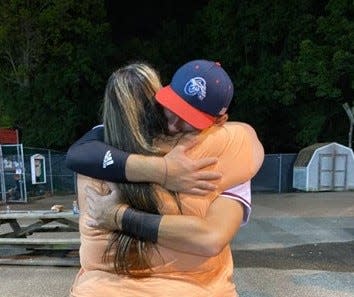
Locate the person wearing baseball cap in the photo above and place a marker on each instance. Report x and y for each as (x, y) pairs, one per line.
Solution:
(197, 97)
(180, 245)
(200, 93)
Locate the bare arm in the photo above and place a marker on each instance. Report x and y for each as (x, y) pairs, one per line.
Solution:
(175, 171)
(92, 157)
(206, 236)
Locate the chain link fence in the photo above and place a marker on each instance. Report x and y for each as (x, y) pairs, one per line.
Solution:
(30, 172)
(59, 179)
(12, 187)
(275, 175)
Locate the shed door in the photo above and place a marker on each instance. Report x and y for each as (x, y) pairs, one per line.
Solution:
(332, 172)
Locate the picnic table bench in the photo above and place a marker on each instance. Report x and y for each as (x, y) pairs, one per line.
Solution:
(40, 221)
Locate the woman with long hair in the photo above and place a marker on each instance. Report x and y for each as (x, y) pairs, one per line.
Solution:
(133, 120)
(121, 263)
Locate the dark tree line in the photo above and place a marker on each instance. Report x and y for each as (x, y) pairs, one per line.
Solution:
(291, 62)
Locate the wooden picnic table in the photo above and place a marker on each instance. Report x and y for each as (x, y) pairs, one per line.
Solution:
(40, 221)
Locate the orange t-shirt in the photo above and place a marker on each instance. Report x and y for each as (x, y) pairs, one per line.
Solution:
(179, 274)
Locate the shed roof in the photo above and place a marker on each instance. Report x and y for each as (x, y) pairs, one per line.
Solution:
(304, 156)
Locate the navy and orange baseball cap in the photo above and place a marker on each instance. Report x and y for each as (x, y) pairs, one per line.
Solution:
(199, 92)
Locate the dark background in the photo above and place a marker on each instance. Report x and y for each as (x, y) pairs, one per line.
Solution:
(291, 62)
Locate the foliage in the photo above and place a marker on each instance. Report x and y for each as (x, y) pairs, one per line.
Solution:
(320, 78)
(291, 62)
(54, 57)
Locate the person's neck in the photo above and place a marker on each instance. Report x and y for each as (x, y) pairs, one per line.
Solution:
(168, 142)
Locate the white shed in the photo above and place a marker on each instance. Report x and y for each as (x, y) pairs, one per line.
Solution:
(324, 167)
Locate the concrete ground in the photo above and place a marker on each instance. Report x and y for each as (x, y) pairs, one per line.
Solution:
(296, 244)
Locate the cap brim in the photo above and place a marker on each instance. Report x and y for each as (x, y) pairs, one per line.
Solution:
(172, 101)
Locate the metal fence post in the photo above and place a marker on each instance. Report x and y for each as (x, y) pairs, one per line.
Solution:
(50, 172)
(23, 174)
(2, 177)
(279, 179)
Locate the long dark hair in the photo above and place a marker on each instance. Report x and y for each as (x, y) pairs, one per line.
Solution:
(132, 119)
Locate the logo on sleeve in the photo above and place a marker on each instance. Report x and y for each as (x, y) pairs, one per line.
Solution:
(107, 160)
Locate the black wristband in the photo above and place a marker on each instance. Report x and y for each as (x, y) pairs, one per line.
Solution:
(141, 225)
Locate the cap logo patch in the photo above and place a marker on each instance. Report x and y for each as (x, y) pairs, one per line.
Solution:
(196, 86)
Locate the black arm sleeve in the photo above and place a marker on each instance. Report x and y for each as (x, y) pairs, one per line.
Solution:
(92, 157)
